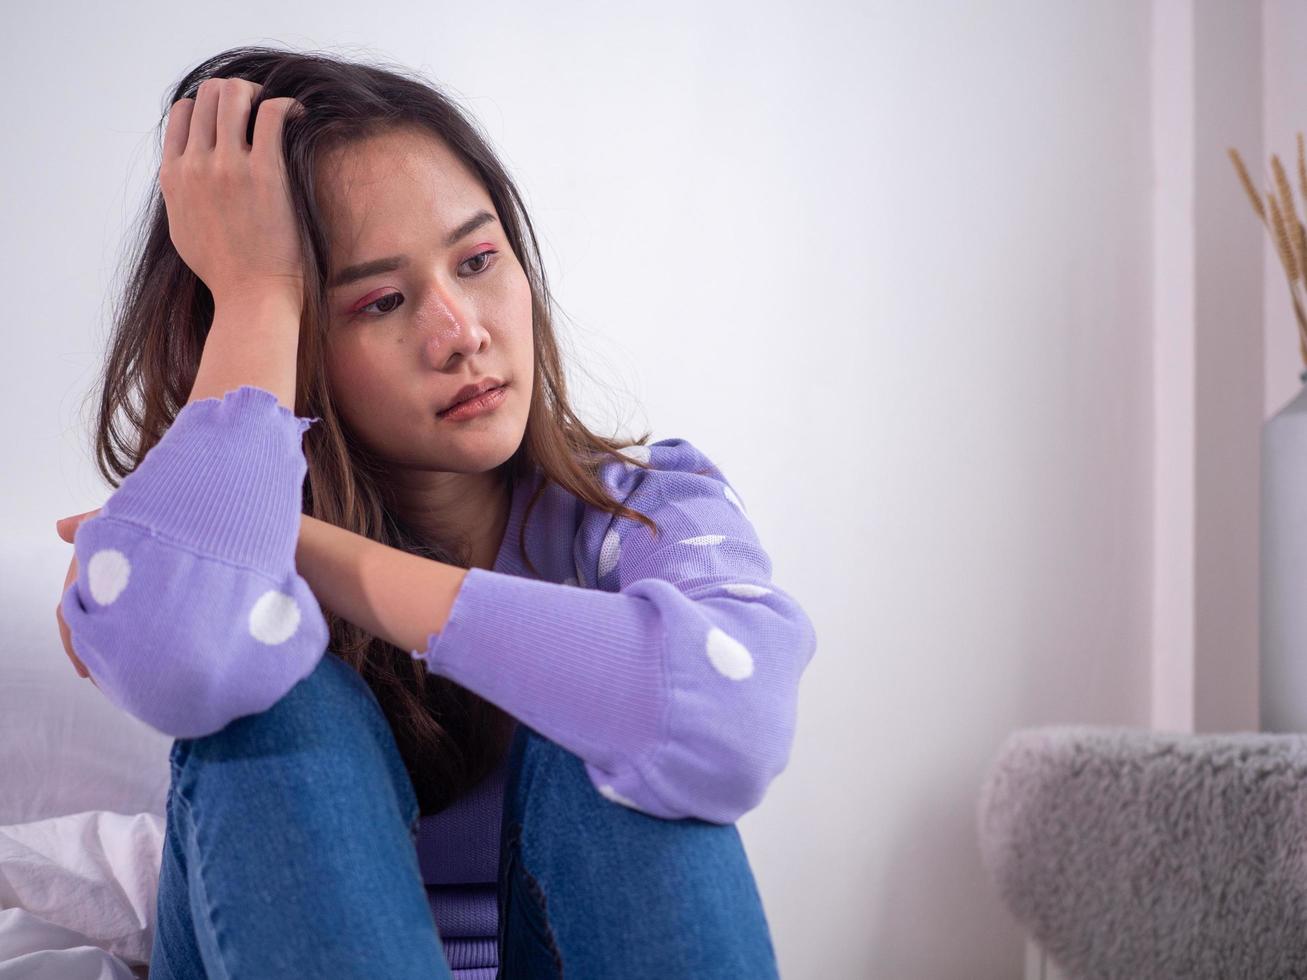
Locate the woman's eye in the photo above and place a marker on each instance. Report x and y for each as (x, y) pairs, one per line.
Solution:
(486, 256)
(382, 299)
(482, 255)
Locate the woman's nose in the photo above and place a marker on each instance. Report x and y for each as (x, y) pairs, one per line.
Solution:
(452, 327)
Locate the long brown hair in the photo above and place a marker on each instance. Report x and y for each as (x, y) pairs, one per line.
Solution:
(450, 738)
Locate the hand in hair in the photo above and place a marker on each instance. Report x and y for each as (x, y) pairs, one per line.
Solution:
(229, 210)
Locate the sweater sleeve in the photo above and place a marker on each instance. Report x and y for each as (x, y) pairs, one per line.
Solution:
(672, 671)
(187, 608)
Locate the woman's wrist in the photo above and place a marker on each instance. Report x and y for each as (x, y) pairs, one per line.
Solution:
(396, 596)
(253, 340)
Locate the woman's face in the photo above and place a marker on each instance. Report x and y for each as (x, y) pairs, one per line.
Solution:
(447, 313)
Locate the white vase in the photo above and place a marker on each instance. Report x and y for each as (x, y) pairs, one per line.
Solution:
(1283, 587)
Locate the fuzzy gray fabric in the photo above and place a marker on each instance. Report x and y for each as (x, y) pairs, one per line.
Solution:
(1135, 854)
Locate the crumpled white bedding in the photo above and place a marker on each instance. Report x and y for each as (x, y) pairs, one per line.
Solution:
(77, 896)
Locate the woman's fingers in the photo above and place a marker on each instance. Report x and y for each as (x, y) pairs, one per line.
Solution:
(65, 636)
(67, 640)
(268, 125)
(179, 124)
(215, 120)
(66, 527)
(238, 95)
(204, 119)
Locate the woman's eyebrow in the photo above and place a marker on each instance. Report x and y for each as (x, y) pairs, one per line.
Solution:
(353, 273)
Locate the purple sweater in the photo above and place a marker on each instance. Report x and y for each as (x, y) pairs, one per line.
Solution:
(669, 665)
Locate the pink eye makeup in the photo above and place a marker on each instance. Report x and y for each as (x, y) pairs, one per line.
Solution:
(384, 303)
(379, 302)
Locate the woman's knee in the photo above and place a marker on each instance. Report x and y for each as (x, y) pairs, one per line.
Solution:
(553, 811)
(549, 784)
(332, 690)
(328, 720)
(666, 879)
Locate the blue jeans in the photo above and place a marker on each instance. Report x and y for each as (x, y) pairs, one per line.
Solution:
(290, 852)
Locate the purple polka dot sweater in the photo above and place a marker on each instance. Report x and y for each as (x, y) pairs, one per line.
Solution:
(669, 664)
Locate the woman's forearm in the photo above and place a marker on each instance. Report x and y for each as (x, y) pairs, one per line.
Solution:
(398, 597)
(253, 340)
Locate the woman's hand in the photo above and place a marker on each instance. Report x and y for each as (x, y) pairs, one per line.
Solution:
(67, 528)
(229, 211)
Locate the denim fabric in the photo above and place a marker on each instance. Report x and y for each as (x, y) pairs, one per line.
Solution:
(290, 851)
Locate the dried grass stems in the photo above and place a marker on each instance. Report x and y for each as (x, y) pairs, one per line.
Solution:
(1286, 230)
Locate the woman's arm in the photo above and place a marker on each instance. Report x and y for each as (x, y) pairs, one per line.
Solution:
(398, 597)
(187, 609)
(254, 340)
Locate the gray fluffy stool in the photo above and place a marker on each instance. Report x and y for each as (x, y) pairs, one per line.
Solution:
(1134, 854)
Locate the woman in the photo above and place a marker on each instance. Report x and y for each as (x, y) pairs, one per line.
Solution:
(462, 587)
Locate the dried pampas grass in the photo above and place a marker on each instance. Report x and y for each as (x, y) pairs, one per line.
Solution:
(1286, 230)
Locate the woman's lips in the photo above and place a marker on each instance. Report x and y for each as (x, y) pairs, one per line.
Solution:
(484, 402)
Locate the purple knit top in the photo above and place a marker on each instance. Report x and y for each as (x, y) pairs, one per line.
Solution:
(669, 664)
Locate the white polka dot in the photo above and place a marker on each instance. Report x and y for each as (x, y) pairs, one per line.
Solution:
(107, 573)
(640, 453)
(274, 618)
(607, 791)
(705, 539)
(731, 657)
(733, 498)
(745, 589)
(609, 552)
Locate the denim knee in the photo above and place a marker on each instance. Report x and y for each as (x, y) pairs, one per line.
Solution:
(331, 714)
(678, 897)
(548, 783)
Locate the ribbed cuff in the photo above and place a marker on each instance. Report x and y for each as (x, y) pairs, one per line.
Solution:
(226, 480)
(583, 667)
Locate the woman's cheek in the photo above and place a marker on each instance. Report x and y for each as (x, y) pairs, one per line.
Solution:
(522, 308)
(353, 380)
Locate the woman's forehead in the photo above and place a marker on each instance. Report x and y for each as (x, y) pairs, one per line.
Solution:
(399, 177)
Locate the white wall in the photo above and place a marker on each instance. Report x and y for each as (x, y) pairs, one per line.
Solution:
(889, 264)
(1208, 365)
(1003, 442)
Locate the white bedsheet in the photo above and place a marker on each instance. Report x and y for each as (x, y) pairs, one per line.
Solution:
(77, 896)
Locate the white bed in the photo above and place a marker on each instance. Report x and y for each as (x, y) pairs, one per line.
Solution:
(82, 793)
